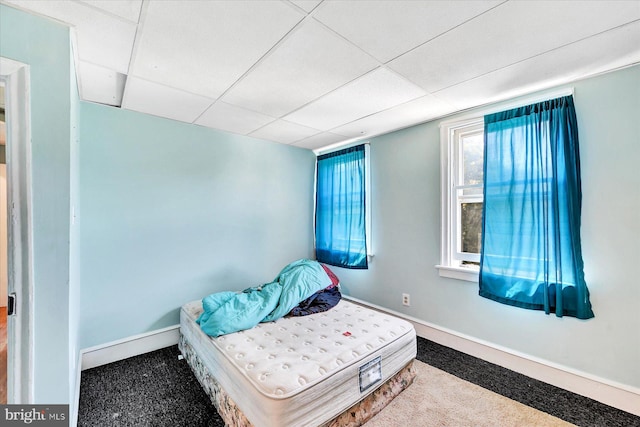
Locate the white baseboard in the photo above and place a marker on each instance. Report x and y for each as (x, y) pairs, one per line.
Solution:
(614, 394)
(129, 347)
(610, 393)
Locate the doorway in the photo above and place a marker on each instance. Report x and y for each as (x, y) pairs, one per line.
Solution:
(3, 251)
(19, 324)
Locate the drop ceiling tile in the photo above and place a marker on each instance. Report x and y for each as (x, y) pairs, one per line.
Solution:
(102, 39)
(413, 112)
(606, 51)
(387, 29)
(127, 9)
(309, 63)
(158, 100)
(307, 5)
(233, 119)
(284, 132)
(376, 91)
(320, 140)
(511, 32)
(205, 47)
(99, 84)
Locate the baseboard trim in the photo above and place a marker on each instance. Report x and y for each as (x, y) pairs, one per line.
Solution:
(617, 395)
(129, 347)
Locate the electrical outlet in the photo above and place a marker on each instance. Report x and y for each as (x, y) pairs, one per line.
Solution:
(406, 300)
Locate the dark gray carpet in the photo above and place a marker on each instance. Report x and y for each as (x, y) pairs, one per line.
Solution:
(157, 389)
(571, 407)
(153, 389)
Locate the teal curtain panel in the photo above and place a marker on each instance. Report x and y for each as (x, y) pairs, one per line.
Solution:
(531, 251)
(340, 209)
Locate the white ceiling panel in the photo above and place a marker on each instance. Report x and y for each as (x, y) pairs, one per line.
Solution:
(99, 84)
(376, 91)
(320, 140)
(233, 119)
(205, 46)
(127, 9)
(158, 100)
(306, 5)
(509, 33)
(102, 38)
(284, 132)
(312, 72)
(386, 29)
(419, 110)
(606, 51)
(309, 63)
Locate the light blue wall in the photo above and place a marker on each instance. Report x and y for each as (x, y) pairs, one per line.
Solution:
(168, 212)
(406, 241)
(45, 46)
(171, 212)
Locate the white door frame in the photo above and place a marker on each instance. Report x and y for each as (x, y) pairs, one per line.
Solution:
(20, 239)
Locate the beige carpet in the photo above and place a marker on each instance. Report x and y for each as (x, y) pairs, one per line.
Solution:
(437, 398)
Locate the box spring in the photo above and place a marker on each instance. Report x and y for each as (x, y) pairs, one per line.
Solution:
(335, 368)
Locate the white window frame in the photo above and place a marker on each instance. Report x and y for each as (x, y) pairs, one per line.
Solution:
(367, 195)
(449, 266)
(450, 167)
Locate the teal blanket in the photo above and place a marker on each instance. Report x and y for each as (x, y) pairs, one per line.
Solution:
(226, 312)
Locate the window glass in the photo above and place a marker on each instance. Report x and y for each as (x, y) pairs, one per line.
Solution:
(467, 214)
(471, 225)
(472, 153)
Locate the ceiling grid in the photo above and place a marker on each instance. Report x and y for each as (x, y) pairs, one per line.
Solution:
(313, 73)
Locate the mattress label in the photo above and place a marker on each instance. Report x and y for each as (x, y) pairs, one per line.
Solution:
(370, 373)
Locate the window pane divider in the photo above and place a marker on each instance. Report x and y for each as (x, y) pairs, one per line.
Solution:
(463, 187)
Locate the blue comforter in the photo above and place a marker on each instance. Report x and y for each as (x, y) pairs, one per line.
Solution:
(226, 312)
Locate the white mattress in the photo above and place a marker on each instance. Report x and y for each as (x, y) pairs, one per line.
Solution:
(304, 371)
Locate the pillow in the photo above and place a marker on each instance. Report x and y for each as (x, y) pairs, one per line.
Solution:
(334, 279)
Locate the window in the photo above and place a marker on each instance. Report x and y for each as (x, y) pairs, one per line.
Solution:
(342, 219)
(462, 186)
(511, 206)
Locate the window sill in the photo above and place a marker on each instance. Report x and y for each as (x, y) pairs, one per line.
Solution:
(459, 273)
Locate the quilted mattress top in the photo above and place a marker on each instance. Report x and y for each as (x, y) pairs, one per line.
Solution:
(282, 357)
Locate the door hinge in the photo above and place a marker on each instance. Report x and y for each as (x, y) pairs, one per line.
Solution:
(11, 304)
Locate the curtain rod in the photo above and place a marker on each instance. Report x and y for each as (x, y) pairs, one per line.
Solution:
(338, 146)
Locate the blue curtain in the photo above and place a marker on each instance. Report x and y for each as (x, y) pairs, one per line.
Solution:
(340, 209)
(531, 251)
